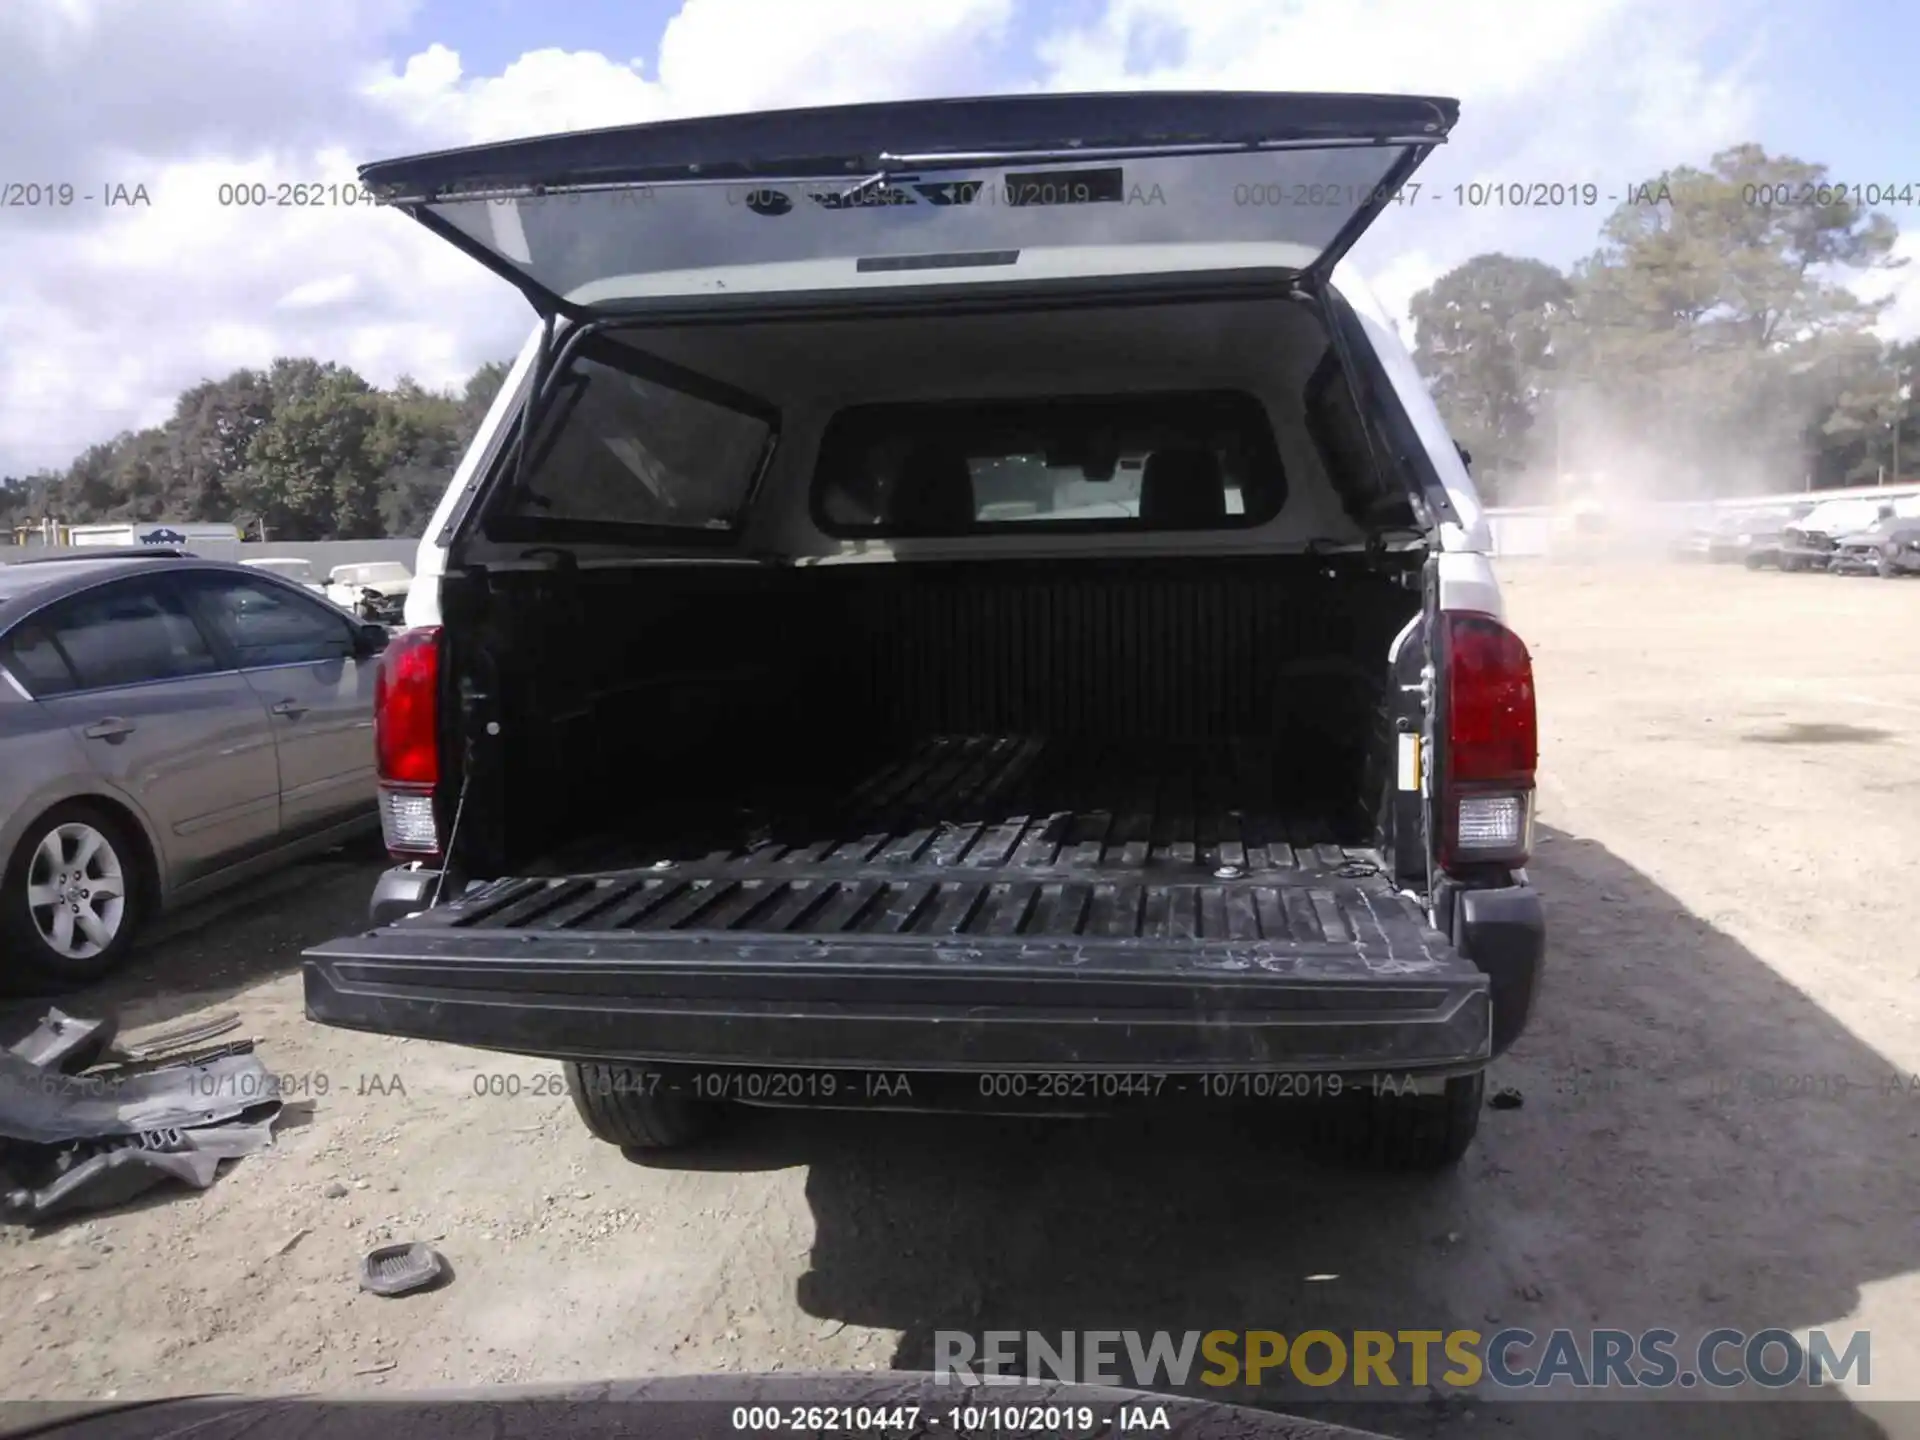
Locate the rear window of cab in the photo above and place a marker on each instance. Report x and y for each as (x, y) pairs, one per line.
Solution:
(1203, 460)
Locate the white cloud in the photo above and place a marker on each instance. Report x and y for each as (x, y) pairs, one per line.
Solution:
(1900, 288)
(1492, 49)
(112, 312)
(1584, 91)
(318, 294)
(541, 92)
(722, 55)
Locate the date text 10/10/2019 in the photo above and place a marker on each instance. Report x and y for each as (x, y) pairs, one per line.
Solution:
(857, 1087)
(1010, 1418)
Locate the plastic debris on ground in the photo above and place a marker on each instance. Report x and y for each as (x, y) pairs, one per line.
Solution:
(87, 1122)
(401, 1269)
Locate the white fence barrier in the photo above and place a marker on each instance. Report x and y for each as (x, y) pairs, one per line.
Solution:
(324, 554)
(1642, 528)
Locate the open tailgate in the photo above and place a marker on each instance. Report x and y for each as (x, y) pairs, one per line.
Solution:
(1301, 961)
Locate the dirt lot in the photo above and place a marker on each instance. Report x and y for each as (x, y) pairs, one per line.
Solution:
(1711, 1132)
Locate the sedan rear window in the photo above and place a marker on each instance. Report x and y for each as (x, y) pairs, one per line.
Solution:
(1181, 461)
(35, 661)
(265, 625)
(128, 634)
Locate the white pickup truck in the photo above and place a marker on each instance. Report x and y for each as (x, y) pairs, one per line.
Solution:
(777, 722)
(373, 590)
(289, 567)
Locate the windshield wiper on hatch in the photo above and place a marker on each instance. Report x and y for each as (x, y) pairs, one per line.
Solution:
(861, 187)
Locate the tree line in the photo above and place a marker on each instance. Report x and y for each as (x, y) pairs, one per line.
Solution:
(302, 449)
(1711, 344)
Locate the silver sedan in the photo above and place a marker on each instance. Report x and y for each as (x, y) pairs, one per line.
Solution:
(168, 726)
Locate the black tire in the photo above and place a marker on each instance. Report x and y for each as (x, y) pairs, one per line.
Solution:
(610, 1101)
(1406, 1133)
(29, 965)
(1754, 562)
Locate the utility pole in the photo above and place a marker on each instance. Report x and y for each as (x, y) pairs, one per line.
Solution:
(1899, 415)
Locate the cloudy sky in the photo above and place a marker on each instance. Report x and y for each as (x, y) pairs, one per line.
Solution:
(108, 310)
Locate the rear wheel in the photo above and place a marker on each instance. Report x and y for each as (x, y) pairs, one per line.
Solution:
(1402, 1132)
(71, 899)
(619, 1106)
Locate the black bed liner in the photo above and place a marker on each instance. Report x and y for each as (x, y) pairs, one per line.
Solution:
(993, 836)
(946, 915)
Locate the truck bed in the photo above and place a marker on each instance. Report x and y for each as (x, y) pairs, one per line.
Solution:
(970, 903)
(974, 903)
(979, 835)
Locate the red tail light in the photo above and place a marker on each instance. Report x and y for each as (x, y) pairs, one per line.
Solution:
(1492, 744)
(406, 740)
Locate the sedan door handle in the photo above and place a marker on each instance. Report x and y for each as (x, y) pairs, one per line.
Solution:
(292, 709)
(112, 728)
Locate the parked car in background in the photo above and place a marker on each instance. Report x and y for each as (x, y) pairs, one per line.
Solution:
(168, 726)
(373, 589)
(1809, 543)
(1887, 548)
(1696, 541)
(289, 567)
(1752, 537)
(1720, 536)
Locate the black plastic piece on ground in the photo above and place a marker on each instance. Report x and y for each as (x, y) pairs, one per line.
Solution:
(1506, 1098)
(400, 1269)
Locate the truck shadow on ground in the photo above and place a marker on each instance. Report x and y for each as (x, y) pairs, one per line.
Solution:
(1700, 1145)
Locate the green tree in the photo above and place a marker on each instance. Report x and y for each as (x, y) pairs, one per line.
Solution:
(16, 503)
(1711, 318)
(93, 487)
(1483, 338)
(1873, 393)
(308, 475)
(415, 445)
(478, 395)
(209, 436)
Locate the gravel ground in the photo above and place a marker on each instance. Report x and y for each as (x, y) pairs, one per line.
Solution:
(1719, 1123)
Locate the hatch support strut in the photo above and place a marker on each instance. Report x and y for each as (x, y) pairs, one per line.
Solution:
(530, 413)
